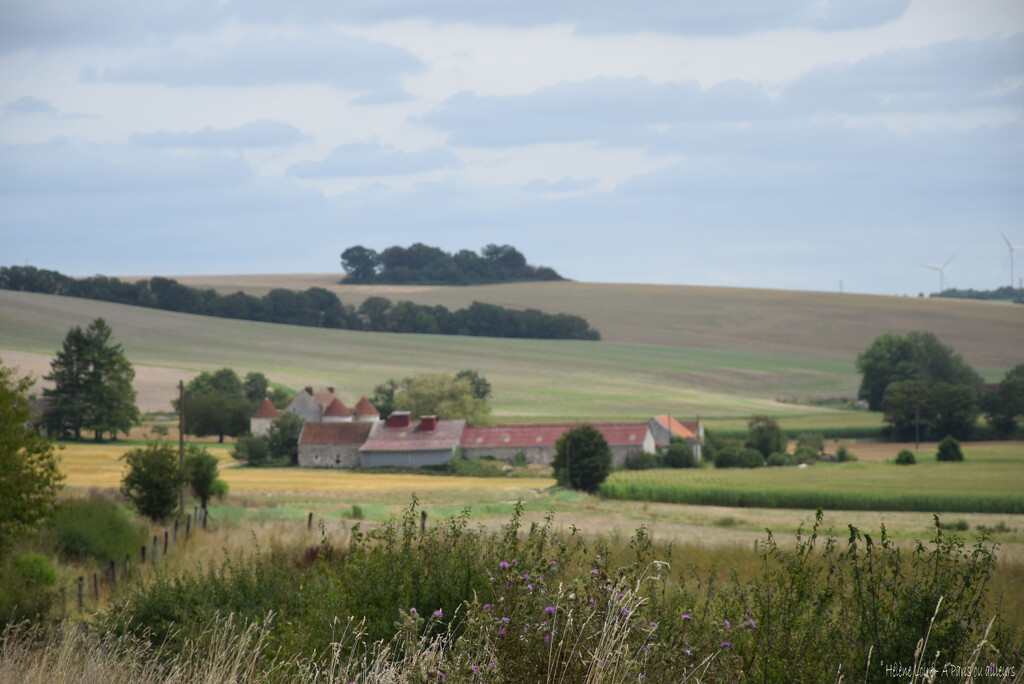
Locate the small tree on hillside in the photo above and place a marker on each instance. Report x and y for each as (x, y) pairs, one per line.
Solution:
(283, 437)
(201, 474)
(151, 481)
(765, 435)
(949, 450)
(583, 459)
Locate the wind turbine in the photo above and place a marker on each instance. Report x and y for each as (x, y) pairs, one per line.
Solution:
(942, 270)
(1011, 247)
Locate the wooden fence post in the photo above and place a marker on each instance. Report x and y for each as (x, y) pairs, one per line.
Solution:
(165, 542)
(96, 587)
(154, 549)
(188, 527)
(113, 576)
(175, 531)
(142, 553)
(81, 587)
(423, 522)
(309, 521)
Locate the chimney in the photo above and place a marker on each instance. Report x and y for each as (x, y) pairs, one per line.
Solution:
(309, 390)
(428, 423)
(399, 419)
(330, 389)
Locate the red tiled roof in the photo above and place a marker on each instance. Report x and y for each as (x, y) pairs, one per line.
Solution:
(445, 436)
(323, 397)
(337, 409)
(365, 408)
(677, 428)
(266, 410)
(521, 436)
(335, 433)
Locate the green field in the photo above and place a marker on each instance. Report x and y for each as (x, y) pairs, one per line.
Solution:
(989, 480)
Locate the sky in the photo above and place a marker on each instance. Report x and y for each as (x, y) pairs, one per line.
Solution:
(790, 144)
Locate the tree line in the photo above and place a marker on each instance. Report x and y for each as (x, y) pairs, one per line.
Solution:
(422, 264)
(1003, 294)
(314, 307)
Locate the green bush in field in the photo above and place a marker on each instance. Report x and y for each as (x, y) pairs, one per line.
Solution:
(26, 587)
(252, 449)
(780, 459)
(94, 528)
(641, 460)
(806, 455)
(905, 457)
(949, 450)
(814, 440)
(151, 479)
(736, 456)
(583, 459)
(843, 454)
(765, 435)
(679, 454)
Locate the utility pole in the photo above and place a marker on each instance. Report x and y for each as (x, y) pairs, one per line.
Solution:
(181, 442)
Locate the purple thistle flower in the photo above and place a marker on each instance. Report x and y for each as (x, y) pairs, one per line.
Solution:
(752, 625)
(412, 611)
(437, 613)
(549, 609)
(625, 611)
(503, 564)
(487, 606)
(594, 571)
(515, 561)
(501, 632)
(526, 575)
(547, 638)
(505, 620)
(654, 625)
(474, 669)
(726, 644)
(686, 616)
(591, 601)
(530, 586)
(728, 625)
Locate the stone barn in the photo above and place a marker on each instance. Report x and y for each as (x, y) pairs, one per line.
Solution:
(663, 428)
(537, 442)
(333, 444)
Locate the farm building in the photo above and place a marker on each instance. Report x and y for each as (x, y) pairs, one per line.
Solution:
(399, 442)
(314, 407)
(663, 428)
(332, 444)
(537, 442)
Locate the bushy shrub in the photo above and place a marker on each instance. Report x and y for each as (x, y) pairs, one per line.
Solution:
(780, 459)
(583, 459)
(814, 440)
(765, 435)
(252, 449)
(905, 457)
(949, 450)
(736, 456)
(805, 455)
(26, 587)
(94, 528)
(679, 455)
(843, 454)
(641, 460)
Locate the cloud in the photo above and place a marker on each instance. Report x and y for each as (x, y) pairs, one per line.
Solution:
(254, 134)
(30, 105)
(363, 159)
(684, 17)
(265, 57)
(561, 185)
(54, 24)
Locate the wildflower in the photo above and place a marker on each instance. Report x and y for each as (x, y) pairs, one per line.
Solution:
(487, 606)
(530, 587)
(547, 638)
(515, 561)
(526, 575)
(594, 571)
(437, 613)
(526, 629)
(505, 620)
(591, 601)
(625, 611)
(653, 624)
(622, 595)
(686, 616)
(503, 564)
(549, 609)
(412, 611)
(752, 625)
(726, 644)
(474, 669)
(728, 625)
(501, 632)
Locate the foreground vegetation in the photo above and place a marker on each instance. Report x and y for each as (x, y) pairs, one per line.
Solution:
(461, 604)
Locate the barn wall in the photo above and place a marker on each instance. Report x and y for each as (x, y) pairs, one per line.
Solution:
(329, 455)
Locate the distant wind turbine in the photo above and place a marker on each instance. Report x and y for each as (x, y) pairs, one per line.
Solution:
(1011, 247)
(942, 270)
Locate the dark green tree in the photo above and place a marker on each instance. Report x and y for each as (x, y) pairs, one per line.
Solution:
(283, 437)
(255, 387)
(360, 264)
(954, 408)
(92, 380)
(583, 459)
(481, 387)
(151, 480)
(916, 356)
(203, 476)
(29, 476)
(443, 396)
(1004, 406)
(215, 404)
(384, 396)
(949, 450)
(907, 407)
(765, 435)
(679, 454)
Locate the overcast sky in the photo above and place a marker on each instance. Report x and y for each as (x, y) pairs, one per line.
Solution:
(774, 144)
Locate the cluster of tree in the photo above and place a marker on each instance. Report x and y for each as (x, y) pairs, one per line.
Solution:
(767, 444)
(424, 265)
(314, 307)
(29, 477)
(463, 395)
(153, 477)
(1002, 294)
(92, 389)
(280, 446)
(220, 403)
(678, 454)
(1004, 405)
(919, 383)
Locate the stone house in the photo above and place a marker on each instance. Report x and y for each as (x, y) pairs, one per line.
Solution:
(314, 407)
(332, 444)
(537, 442)
(663, 428)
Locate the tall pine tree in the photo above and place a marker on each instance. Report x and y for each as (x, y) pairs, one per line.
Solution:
(92, 380)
